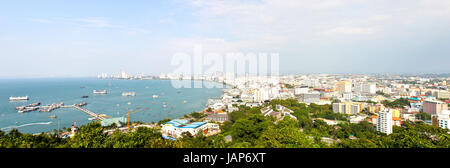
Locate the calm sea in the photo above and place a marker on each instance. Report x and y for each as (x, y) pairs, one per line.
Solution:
(70, 91)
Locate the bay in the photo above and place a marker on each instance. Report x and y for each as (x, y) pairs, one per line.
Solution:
(70, 91)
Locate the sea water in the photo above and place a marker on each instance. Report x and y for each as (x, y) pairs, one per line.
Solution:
(171, 102)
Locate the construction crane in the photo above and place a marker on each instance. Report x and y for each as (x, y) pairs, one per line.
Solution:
(132, 112)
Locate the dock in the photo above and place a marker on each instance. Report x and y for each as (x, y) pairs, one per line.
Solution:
(76, 106)
(88, 112)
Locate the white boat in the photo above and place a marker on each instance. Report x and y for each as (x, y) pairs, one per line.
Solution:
(129, 94)
(100, 92)
(18, 98)
(155, 96)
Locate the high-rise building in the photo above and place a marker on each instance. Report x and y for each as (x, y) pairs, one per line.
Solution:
(434, 107)
(261, 94)
(344, 86)
(384, 121)
(365, 88)
(123, 74)
(442, 120)
(346, 108)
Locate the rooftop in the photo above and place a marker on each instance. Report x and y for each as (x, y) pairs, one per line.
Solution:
(185, 123)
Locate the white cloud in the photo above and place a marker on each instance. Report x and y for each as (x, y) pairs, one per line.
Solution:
(41, 20)
(349, 31)
(91, 23)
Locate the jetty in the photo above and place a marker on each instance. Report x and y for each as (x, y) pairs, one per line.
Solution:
(49, 108)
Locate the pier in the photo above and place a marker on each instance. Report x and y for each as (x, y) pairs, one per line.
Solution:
(89, 112)
(76, 106)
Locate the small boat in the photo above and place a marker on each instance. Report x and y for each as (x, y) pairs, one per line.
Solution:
(129, 103)
(185, 102)
(129, 94)
(99, 92)
(164, 106)
(52, 116)
(153, 103)
(155, 96)
(82, 86)
(85, 96)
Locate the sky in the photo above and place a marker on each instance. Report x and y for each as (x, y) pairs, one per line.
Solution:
(62, 38)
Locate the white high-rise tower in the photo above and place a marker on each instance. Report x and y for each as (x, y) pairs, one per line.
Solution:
(384, 124)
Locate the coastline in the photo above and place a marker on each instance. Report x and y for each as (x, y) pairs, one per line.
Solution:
(179, 110)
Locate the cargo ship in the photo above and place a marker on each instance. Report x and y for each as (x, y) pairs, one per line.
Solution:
(99, 92)
(18, 98)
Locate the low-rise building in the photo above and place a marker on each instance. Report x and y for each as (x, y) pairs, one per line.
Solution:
(218, 117)
(175, 128)
(309, 97)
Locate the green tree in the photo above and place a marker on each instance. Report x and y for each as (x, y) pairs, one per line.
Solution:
(285, 134)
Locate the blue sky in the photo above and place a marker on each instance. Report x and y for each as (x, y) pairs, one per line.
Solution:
(83, 38)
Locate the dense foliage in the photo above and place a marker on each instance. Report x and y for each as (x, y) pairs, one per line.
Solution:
(249, 129)
(399, 103)
(423, 116)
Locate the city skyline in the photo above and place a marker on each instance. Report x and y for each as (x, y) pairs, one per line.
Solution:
(83, 38)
